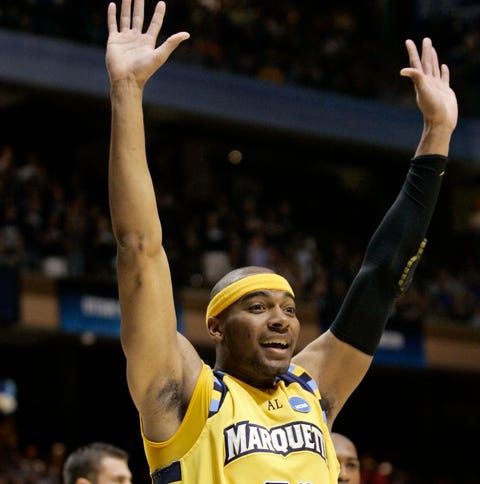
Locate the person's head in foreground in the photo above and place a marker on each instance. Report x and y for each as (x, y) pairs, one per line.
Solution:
(97, 463)
(347, 456)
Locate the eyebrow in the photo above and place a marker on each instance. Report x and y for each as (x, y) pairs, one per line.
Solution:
(254, 294)
(352, 460)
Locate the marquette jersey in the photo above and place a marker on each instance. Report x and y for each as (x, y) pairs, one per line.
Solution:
(233, 433)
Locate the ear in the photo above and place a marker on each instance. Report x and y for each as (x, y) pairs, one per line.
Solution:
(215, 328)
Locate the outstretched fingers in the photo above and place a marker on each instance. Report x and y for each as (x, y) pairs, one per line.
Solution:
(138, 14)
(436, 100)
(112, 18)
(427, 56)
(172, 42)
(134, 20)
(413, 55)
(157, 20)
(435, 64)
(125, 15)
(127, 19)
(428, 64)
(445, 74)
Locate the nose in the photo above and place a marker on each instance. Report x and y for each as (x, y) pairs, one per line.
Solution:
(278, 319)
(343, 476)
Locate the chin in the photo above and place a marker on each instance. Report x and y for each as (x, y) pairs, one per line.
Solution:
(271, 368)
(278, 367)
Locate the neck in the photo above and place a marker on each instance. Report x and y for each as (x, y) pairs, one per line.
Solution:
(262, 382)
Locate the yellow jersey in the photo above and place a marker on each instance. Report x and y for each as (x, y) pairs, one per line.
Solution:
(233, 433)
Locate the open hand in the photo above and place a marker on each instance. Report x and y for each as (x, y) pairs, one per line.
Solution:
(435, 98)
(131, 54)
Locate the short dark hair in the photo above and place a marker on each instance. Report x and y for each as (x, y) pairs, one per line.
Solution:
(85, 461)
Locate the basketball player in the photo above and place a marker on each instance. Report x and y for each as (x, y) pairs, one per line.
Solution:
(97, 463)
(347, 456)
(261, 415)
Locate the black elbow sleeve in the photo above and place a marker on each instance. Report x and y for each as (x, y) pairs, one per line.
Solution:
(391, 257)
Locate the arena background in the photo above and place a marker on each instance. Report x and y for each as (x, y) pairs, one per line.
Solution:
(54, 100)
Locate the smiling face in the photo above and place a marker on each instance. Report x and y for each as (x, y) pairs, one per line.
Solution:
(256, 336)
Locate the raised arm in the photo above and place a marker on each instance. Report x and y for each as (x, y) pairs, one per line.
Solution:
(162, 366)
(340, 357)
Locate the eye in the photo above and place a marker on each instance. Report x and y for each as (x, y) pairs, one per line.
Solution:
(256, 307)
(290, 310)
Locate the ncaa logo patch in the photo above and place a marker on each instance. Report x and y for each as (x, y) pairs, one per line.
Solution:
(299, 404)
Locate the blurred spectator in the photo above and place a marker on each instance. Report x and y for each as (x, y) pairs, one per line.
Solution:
(257, 252)
(97, 463)
(445, 292)
(11, 239)
(104, 248)
(54, 261)
(55, 462)
(347, 456)
(76, 231)
(216, 247)
(33, 223)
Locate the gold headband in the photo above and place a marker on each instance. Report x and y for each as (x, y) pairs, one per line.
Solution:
(233, 292)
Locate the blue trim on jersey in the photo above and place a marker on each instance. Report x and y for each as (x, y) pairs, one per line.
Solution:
(220, 387)
(304, 380)
(218, 382)
(214, 402)
(166, 475)
(310, 382)
(214, 406)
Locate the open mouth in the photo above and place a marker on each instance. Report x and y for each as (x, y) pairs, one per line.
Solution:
(281, 345)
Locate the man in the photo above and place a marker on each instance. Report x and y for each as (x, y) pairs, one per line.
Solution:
(347, 456)
(257, 417)
(97, 463)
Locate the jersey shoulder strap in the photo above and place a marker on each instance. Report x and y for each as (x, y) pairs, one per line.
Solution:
(219, 392)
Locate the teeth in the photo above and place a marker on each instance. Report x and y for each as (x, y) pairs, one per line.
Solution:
(277, 343)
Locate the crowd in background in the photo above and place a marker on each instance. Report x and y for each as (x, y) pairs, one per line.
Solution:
(54, 226)
(353, 48)
(51, 226)
(349, 47)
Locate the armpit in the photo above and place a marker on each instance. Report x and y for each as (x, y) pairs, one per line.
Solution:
(169, 398)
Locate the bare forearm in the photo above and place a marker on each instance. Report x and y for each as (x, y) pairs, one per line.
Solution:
(132, 198)
(435, 140)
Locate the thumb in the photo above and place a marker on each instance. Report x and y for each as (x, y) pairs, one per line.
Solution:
(174, 41)
(410, 72)
(163, 51)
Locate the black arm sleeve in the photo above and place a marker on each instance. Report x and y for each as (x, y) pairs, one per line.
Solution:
(391, 257)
